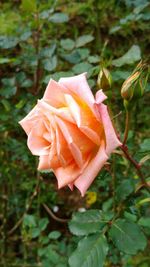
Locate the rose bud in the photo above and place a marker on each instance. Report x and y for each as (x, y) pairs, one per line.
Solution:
(71, 132)
(133, 87)
(104, 80)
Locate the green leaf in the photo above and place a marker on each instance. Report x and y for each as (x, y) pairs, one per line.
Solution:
(83, 52)
(91, 252)
(43, 223)
(127, 236)
(54, 235)
(59, 18)
(130, 57)
(81, 67)
(67, 44)
(29, 220)
(124, 189)
(144, 221)
(29, 5)
(8, 92)
(24, 36)
(74, 57)
(87, 222)
(84, 39)
(9, 88)
(8, 42)
(50, 64)
(130, 216)
(35, 232)
(47, 52)
(94, 59)
(120, 75)
(145, 146)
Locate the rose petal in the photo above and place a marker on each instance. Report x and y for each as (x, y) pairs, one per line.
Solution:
(48, 110)
(37, 145)
(54, 94)
(63, 152)
(28, 122)
(91, 171)
(112, 141)
(44, 163)
(78, 85)
(67, 133)
(100, 96)
(84, 119)
(67, 175)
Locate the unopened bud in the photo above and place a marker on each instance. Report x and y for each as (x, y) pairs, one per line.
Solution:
(104, 80)
(133, 87)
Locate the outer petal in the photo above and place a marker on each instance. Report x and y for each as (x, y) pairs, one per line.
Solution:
(92, 169)
(28, 122)
(44, 163)
(78, 85)
(67, 175)
(37, 145)
(112, 141)
(54, 93)
(100, 96)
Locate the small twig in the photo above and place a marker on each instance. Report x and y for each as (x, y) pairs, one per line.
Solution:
(117, 115)
(53, 215)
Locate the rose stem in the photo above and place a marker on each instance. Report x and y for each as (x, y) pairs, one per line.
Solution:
(136, 165)
(126, 127)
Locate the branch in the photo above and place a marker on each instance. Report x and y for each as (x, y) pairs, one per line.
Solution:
(53, 215)
(136, 165)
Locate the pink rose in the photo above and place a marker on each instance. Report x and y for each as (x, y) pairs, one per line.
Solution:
(71, 132)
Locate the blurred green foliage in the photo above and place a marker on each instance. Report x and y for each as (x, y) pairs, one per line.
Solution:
(40, 40)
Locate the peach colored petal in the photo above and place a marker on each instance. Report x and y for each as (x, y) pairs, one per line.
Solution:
(78, 85)
(112, 141)
(36, 141)
(67, 133)
(47, 109)
(71, 186)
(54, 94)
(67, 175)
(84, 119)
(37, 145)
(28, 122)
(63, 152)
(86, 178)
(100, 96)
(44, 163)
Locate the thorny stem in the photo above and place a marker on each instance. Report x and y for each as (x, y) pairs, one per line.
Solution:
(136, 165)
(129, 157)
